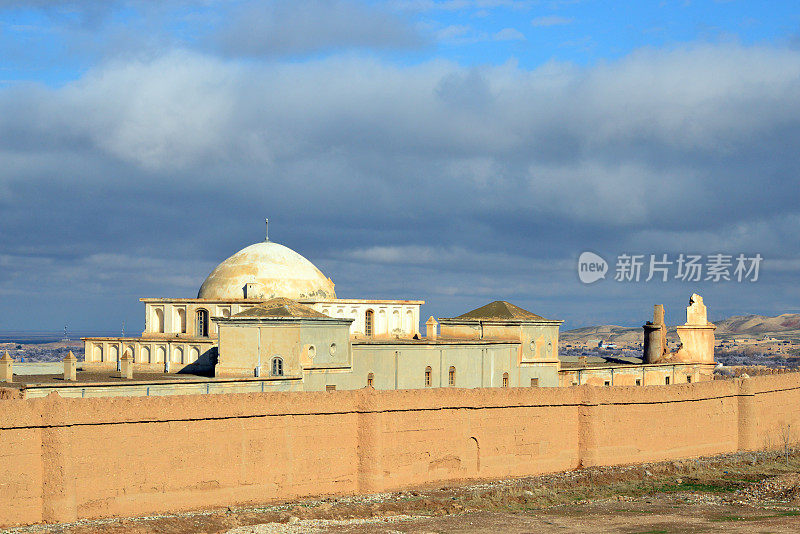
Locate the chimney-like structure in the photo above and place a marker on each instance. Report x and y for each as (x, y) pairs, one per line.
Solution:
(655, 336)
(126, 365)
(430, 328)
(70, 367)
(697, 335)
(6, 368)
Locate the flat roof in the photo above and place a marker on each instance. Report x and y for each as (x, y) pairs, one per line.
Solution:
(172, 338)
(302, 301)
(111, 378)
(437, 341)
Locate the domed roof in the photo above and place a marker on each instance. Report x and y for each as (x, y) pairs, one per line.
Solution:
(269, 270)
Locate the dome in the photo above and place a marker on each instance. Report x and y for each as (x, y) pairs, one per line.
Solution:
(266, 270)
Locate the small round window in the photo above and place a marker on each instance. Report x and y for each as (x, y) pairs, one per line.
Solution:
(333, 349)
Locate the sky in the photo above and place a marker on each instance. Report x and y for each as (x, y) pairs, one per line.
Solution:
(454, 151)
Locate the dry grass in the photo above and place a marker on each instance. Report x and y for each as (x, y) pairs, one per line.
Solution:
(732, 488)
(719, 476)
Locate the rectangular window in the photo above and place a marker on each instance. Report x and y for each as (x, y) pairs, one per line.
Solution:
(666, 380)
(534, 382)
(368, 319)
(689, 379)
(638, 381)
(330, 387)
(607, 383)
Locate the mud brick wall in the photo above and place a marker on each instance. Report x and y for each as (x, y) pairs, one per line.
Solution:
(65, 459)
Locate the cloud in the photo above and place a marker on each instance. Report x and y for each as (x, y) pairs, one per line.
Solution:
(509, 34)
(460, 5)
(432, 180)
(169, 123)
(546, 21)
(454, 32)
(453, 257)
(97, 30)
(258, 29)
(459, 34)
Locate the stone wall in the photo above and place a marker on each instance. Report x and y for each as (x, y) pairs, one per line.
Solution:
(65, 459)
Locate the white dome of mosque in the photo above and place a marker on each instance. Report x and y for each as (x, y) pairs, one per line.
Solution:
(266, 270)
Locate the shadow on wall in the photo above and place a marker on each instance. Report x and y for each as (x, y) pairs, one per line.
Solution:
(465, 463)
(475, 452)
(204, 365)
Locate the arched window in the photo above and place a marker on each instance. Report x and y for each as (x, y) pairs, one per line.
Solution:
(451, 376)
(277, 366)
(158, 320)
(201, 326)
(382, 323)
(181, 320)
(369, 320)
(409, 322)
(371, 380)
(428, 372)
(505, 380)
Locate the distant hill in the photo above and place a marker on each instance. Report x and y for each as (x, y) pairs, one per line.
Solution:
(746, 325)
(618, 334)
(759, 324)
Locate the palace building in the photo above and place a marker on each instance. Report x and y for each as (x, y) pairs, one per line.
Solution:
(267, 312)
(267, 319)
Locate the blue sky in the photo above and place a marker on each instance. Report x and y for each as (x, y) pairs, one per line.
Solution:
(56, 42)
(457, 151)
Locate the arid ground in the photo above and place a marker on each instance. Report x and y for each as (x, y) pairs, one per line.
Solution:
(752, 492)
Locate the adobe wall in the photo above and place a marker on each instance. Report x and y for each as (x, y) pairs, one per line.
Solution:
(636, 375)
(97, 457)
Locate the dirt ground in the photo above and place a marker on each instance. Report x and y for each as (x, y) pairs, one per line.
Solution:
(753, 492)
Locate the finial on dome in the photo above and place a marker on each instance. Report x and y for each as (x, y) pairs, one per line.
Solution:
(266, 230)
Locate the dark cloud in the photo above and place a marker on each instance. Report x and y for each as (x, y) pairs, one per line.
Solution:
(455, 185)
(89, 32)
(86, 14)
(284, 27)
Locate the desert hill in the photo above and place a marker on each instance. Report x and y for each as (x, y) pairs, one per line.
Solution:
(784, 325)
(759, 324)
(617, 334)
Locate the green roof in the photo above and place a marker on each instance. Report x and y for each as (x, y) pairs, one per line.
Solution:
(500, 310)
(280, 307)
